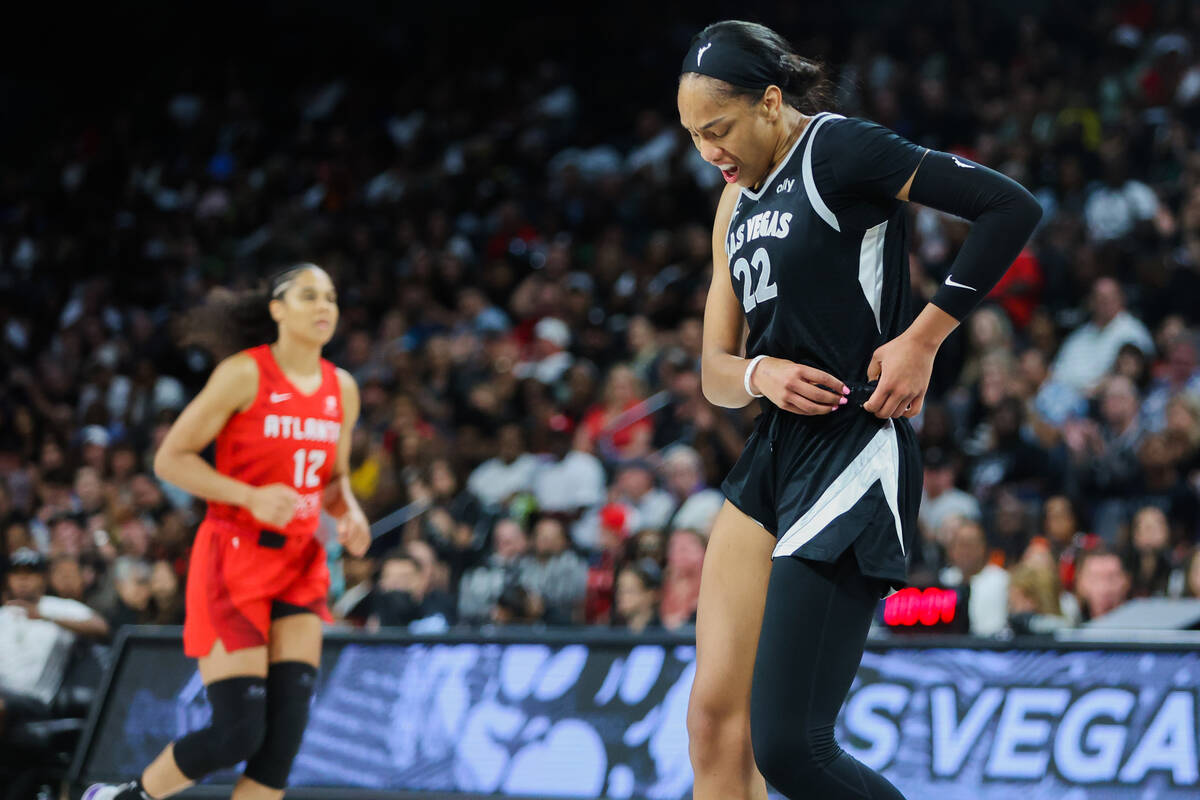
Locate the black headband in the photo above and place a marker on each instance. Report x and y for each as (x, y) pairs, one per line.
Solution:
(722, 59)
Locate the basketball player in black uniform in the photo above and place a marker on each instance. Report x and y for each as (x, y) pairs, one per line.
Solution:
(810, 252)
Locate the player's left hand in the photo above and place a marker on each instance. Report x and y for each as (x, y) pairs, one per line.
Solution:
(903, 367)
(354, 532)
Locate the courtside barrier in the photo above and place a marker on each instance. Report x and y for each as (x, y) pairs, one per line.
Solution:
(596, 713)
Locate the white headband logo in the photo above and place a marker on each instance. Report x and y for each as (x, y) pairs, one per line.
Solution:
(700, 53)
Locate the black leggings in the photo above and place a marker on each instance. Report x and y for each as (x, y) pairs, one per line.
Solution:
(813, 632)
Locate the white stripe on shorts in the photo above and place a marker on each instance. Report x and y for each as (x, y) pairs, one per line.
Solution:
(878, 461)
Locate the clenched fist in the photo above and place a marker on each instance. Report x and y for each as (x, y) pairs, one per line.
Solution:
(273, 505)
(354, 533)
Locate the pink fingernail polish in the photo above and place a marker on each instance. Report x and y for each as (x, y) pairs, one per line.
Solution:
(842, 402)
(845, 390)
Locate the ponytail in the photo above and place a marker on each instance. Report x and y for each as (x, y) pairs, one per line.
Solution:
(805, 86)
(228, 322)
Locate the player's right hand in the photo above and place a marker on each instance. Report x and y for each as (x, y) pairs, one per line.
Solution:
(274, 504)
(798, 388)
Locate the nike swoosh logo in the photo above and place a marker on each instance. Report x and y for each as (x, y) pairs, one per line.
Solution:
(279, 397)
(700, 53)
(961, 164)
(957, 285)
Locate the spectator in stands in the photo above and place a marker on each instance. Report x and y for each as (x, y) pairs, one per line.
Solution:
(66, 535)
(614, 426)
(94, 442)
(1033, 600)
(131, 579)
(1179, 376)
(998, 380)
(456, 524)
(638, 595)
(1185, 581)
(398, 600)
(1060, 526)
(1148, 559)
(1182, 431)
(1121, 205)
(1039, 557)
(1090, 351)
(515, 606)
(37, 635)
(17, 536)
(483, 584)
(634, 487)
(1101, 582)
(1011, 526)
(940, 497)
(1133, 364)
(681, 579)
(683, 477)
(968, 566)
(989, 333)
(135, 534)
(1162, 484)
(1104, 456)
(148, 499)
(510, 472)
(435, 581)
(550, 359)
(556, 575)
(613, 524)
(26, 600)
(65, 578)
(89, 491)
(572, 480)
(165, 596)
(642, 342)
(649, 543)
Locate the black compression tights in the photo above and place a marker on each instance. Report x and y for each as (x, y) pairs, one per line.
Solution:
(813, 631)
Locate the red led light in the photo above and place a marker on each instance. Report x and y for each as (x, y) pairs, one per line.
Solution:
(926, 607)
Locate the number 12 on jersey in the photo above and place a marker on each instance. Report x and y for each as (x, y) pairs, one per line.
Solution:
(765, 289)
(308, 479)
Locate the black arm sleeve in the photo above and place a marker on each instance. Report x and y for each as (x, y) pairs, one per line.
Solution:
(1003, 214)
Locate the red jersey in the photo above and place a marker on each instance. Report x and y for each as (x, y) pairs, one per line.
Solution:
(283, 437)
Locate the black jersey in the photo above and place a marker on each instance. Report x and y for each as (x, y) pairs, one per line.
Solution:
(819, 259)
(819, 254)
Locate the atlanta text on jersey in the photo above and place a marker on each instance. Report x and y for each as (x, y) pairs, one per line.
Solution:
(301, 429)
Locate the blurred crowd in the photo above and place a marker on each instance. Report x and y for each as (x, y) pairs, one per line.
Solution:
(521, 303)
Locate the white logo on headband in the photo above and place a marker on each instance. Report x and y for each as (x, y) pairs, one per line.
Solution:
(700, 53)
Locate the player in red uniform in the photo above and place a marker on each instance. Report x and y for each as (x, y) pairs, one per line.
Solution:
(257, 584)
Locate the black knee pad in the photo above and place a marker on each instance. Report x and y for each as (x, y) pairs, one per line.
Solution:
(239, 722)
(289, 693)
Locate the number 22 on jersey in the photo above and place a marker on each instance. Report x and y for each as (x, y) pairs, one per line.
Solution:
(308, 478)
(755, 275)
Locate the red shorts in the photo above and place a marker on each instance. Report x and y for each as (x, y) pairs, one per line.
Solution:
(234, 578)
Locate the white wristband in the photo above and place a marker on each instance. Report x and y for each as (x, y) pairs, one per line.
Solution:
(750, 371)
